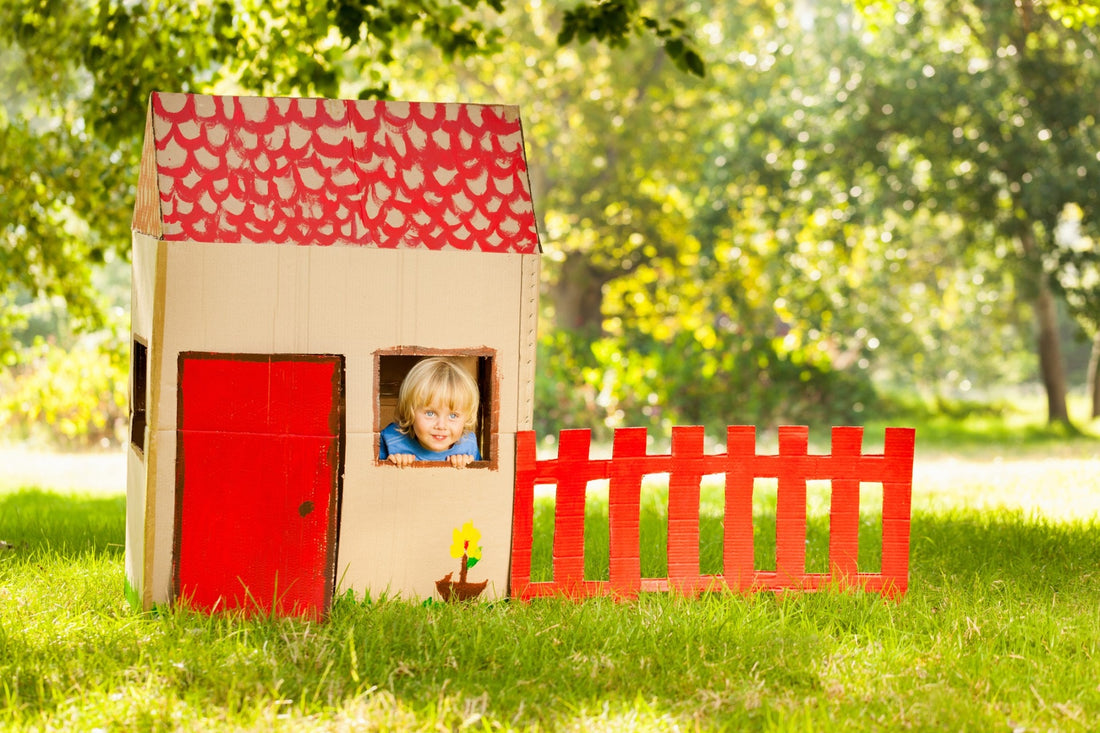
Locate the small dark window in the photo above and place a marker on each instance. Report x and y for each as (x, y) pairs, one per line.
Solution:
(139, 367)
(391, 371)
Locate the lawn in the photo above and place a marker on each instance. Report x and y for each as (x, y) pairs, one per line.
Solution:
(1000, 630)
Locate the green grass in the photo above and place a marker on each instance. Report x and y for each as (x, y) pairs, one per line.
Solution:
(1000, 631)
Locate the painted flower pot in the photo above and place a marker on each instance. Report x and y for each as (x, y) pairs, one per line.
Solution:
(453, 591)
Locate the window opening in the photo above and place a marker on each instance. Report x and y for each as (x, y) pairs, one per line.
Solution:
(139, 363)
(393, 367)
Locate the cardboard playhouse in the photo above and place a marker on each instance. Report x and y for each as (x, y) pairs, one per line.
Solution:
(292, 258)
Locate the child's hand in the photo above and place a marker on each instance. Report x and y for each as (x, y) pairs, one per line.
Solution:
(402, 459)
(461, 460)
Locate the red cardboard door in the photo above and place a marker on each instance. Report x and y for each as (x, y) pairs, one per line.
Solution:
(258, 481)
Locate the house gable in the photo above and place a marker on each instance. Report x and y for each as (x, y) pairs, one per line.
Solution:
(335, 172)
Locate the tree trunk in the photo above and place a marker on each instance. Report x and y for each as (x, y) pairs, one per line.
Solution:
(578, 295)
(1094, 376)
(1051, 367)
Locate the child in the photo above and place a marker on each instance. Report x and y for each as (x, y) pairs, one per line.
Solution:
(435, 419)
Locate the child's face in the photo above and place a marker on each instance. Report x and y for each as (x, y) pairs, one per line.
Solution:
(438, 427)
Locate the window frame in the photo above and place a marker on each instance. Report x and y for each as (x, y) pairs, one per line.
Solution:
(488, 382)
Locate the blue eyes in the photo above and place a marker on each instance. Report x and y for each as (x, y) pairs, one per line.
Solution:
(450, 416)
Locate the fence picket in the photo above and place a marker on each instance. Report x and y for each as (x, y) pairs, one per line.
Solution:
(738, 554)
(624, 495)
(790, 506)
(683, 509)
(523, 513)
(572, 481)
(844, 504)
(897, 494)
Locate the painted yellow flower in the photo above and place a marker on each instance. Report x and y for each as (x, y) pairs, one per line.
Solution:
(465, 542)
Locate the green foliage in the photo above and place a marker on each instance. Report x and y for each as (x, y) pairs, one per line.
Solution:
(745, 379)
(615, 21)
(77, 78)
(1075, 13)
(1071, 13)
(732, 378)
(1076, 263)
(566, 389)
(67, 398)
(843, 197)
(929, 159)
(1006, 127)
(776, 199)
(452, 27)
(46, 248)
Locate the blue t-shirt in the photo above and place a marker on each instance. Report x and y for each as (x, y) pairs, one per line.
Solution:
(394, 441)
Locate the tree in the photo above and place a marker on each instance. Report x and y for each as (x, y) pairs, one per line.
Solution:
(1076, 262)
(977, 109)
(1011, 89)
(742, 247)
(857, 275)
(605, 133)
(820, 209)
(644, 207)
(78, 77)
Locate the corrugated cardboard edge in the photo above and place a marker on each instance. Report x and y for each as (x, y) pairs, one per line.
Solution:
(147, 213)
(527, 180)
(528, 340)
(156, 365)
(147, 220)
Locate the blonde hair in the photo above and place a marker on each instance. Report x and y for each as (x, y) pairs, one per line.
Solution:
(437, 381)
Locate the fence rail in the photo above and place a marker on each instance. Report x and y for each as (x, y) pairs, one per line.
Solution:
(686, 464)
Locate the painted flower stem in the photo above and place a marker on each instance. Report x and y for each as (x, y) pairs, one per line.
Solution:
(465, 562)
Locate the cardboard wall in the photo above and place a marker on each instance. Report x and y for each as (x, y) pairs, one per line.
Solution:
(396, 525)
(248, 298)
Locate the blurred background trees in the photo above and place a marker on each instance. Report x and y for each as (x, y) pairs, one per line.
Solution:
(752, 212)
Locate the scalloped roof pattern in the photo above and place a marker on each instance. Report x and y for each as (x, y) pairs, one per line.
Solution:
(323, 172)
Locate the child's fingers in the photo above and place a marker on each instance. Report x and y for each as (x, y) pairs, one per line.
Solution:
(461, 460)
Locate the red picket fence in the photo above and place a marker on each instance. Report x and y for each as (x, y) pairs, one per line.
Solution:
(686, 464)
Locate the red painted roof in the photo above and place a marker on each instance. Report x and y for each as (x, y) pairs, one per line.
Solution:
(323, 172)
